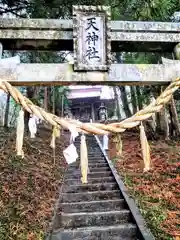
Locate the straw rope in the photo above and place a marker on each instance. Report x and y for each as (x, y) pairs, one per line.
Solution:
(92, 128)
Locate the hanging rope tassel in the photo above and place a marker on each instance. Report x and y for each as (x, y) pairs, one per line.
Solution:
(145, 148)
(84, 159)
(20, 134)
(55, 134)
(118, 144)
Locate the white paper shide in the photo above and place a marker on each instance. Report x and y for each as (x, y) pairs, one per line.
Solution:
(70, 154)
(32, 124)
(105, 142)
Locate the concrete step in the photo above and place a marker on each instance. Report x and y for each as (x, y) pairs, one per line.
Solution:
(90, 187)
(115, 232)
(90, 196)
(103, 205)
(76, 175)
(90, 180)
(86, 219)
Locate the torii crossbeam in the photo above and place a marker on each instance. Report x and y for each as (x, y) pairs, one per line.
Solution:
(110, 36)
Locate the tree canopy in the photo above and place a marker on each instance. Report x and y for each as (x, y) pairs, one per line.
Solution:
(158, 10)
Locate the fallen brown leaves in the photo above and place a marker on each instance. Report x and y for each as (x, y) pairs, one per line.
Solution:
(29, 186)
(156, 191)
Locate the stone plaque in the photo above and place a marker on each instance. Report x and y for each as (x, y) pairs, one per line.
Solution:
(91, 35)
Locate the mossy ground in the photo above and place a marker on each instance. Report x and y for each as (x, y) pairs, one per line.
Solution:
(29, 186)
(157, 191)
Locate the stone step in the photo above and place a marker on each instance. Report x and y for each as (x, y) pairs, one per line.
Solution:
(96, 210)
(86, 219)
(100, 169)
(103, 205)
(96, 161)
(91, 151)
(91, 159)
(90, 146)
(90, 180)
(76, 175)
(92, 170)
(90, 196)
(90, 187)
(95, 156)
(97, 165)
(92, 165)
(115, 232)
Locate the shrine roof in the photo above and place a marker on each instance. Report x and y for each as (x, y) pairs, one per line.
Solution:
(103, 92)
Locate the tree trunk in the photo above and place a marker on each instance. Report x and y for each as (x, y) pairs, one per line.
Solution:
(45, 98)
(162, 119)
(140, 105)
(36, 92)
(54, 102)
(175, 117)
(30, 95)
(6, 116)
(117, 103)
(125, 101)
(133, 99)
(172, 128)
(49, 105)
(62, 106)
(158, 122)
(164, 124)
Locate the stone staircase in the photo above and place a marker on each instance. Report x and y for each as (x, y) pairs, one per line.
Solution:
(96, 210)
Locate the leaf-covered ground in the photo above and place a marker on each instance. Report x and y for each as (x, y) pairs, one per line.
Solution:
(29, 186)
(157, 192)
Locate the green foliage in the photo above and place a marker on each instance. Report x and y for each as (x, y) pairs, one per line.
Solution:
(153, 10)
(60, 94)
(155, 216)
(150, 10)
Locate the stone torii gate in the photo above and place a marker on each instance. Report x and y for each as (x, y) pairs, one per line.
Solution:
(92, 36)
